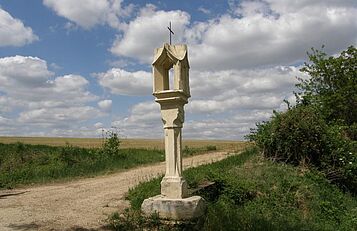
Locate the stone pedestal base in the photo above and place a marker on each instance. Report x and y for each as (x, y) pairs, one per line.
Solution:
(175, 209)
(174, 187)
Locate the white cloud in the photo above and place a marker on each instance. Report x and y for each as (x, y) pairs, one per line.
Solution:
(211, 116)
(19, 71)
(122, 82)
(204, 10)
(34, 98)
(243, 63)
(224, 104)
(143, 121)
(88, 13)
(216, 84)
(242, 66)
(13, 32)
(291, 6)
(28, 81)
(149, 30)
(105, 105)
(273, 33)
(256, 34)
(54, 116)
(98, 125)
(4, 121)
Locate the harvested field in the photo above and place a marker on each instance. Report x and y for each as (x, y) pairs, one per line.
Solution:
(126, 143)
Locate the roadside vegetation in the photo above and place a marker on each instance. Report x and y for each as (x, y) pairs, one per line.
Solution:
(321, 129)
(22, 164)
(25, 164)
(251, 192)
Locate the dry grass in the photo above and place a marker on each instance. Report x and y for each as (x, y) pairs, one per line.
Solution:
(126, 143)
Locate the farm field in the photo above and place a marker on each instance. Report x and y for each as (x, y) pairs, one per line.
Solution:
(226, 145)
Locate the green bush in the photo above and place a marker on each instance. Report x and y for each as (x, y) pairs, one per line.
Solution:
(300, 135)
(340, 163)
(295, 136)
(322, 129)
(111, 144)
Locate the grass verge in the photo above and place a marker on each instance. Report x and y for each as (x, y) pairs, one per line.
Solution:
(24, 164)
(252, 193)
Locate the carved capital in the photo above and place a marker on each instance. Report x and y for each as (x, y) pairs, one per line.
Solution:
(173, 117)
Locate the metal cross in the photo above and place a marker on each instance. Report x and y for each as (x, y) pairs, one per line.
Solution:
(170, 31)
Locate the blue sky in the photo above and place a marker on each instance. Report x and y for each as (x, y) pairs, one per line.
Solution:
(71, 68)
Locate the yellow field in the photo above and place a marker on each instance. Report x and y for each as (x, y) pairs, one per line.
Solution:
(126, 143)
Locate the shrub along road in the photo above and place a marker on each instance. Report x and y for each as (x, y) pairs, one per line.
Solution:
(82, 203)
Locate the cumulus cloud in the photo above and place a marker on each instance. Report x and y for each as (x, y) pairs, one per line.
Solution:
(4, 121)
(272, 33)
(13, 32)
(143, 121)
(48, 115)
(253, 34)
(35, 98)
(223, 103)
(98, 125)
(243, 63)
(105, 105)
(148, 31)
(22, 70)
(235, 82)
(88, 13)
(122, 82)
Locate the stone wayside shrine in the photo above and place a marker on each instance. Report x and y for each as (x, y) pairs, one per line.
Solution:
(174, 202)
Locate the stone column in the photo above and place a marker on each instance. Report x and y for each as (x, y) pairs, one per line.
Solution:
(172, 113)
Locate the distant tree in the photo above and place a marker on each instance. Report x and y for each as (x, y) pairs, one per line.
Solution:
(332, 86)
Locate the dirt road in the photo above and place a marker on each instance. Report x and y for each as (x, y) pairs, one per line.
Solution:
(78, 205)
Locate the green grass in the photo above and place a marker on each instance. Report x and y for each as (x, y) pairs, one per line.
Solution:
(252, 193)
(24, 164)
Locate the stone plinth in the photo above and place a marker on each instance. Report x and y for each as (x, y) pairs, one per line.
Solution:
(184, 209)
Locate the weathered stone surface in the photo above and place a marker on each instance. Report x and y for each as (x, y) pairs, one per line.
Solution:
(175, 209)
(165, 58)
(174, 187)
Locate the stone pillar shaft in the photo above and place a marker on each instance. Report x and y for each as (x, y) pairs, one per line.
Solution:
(172, 113)
(173, 149)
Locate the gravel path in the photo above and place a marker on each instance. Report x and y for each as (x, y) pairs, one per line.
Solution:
(82, 204)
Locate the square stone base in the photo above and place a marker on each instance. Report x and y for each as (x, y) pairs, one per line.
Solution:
(175, 209)
(174, 187)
